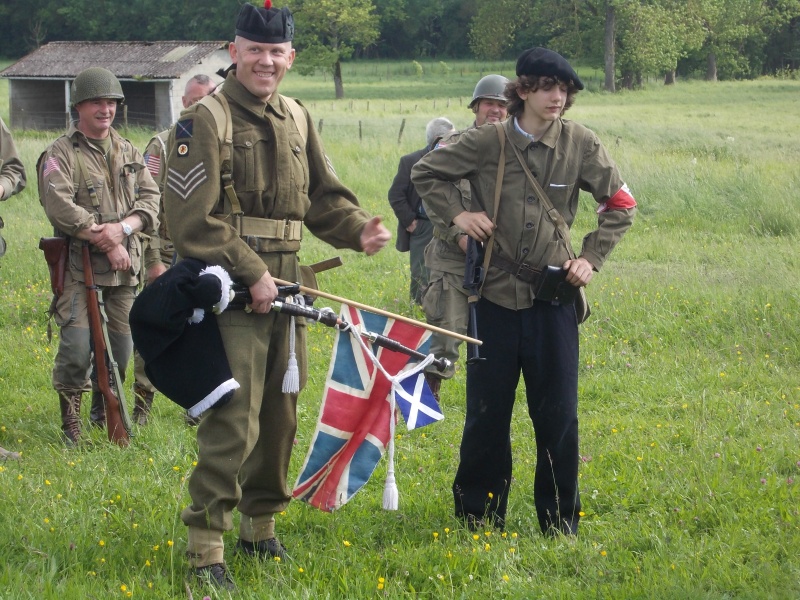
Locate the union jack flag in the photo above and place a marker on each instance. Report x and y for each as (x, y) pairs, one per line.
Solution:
(354, 421)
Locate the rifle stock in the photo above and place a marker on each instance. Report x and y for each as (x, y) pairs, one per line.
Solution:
(115, 425)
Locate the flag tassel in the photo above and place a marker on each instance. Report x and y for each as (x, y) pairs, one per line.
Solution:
(391, 496)
(291, 379)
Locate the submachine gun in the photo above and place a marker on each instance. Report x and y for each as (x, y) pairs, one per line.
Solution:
(474, 274)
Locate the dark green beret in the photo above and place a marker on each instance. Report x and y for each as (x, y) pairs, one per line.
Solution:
(543, 62)
(265, 25)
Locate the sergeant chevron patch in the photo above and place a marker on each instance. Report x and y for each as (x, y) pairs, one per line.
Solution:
(185, 185)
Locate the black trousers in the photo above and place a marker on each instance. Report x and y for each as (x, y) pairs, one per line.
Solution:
(541, 342)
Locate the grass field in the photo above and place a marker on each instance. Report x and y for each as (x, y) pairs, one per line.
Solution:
(690, 396)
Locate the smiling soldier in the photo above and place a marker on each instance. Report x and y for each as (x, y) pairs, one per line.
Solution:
(241, 203)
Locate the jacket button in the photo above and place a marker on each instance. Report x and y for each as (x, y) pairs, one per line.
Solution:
(297, 149)
(528, 225)
(524, 250)
(249, 144)
(531, 199)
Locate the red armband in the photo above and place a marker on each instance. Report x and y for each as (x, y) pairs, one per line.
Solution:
(619, 201)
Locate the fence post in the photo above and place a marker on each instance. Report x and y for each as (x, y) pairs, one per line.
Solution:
(319, 128)
(359, 131)
(400, 135)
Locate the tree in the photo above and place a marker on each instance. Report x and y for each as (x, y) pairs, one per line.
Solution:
(738, 31)
(493, 29)
(328, 32)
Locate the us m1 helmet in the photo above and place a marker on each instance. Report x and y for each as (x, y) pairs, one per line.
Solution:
(490, 87)
(95, 82)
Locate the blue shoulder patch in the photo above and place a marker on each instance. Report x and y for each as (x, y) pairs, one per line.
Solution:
(183, 129)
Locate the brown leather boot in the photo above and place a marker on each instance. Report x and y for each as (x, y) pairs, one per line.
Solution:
(70, 417)
(97, 414)
(434, 383)
(141, 407)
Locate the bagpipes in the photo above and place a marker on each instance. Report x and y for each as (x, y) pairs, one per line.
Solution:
(183, 351)
(284, 304)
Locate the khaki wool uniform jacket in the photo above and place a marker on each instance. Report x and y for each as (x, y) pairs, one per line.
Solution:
(274, 179)
(128, 188)
(568, 158)
(12, 173)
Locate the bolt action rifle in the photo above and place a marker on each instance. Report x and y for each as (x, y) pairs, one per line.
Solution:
(109, 381)
(473, 280)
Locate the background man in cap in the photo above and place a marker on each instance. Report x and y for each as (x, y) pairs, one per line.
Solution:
(281, 181)
(520, 330)
(158, 250)
(445, 300)
(414, 229)
(94, 186)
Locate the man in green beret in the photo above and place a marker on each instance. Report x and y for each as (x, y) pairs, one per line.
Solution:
(524, 324)
(246, 214)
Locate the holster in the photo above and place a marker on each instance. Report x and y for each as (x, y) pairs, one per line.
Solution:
(56, 251)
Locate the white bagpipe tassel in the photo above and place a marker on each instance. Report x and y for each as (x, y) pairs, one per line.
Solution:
(291, 379)
(391, 497)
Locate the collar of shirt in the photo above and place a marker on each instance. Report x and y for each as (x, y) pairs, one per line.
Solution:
(549, 138)
(239, 94)
(522, 131)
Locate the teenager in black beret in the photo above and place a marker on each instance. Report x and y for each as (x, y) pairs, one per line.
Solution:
(526, 328)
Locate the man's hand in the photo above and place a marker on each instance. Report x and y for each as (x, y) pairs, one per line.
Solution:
(462, 242)
(106, 236)
(579, 271)
(263, 292)
(476, 225)
(412, 227)
(374, 236)
(119, 258)
(156, 271)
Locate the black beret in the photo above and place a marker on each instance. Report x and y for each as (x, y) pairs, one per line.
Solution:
(544, 62)
(265, 25)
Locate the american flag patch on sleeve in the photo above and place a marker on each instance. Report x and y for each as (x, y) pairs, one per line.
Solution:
(153, 163)
(51, 166)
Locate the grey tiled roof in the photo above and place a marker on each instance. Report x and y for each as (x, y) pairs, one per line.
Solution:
(127, 60)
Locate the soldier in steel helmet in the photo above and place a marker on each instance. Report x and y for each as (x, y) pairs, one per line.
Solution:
(158, 250)
(445, 299)
(250, 221)
(94, 186)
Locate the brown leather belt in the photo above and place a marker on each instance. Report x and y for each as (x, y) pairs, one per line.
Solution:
(521, 271)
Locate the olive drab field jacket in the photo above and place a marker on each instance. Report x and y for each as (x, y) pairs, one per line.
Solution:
(282, 183)
(74, 200)
(567, 159)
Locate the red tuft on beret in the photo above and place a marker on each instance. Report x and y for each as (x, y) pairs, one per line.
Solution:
(267, 4)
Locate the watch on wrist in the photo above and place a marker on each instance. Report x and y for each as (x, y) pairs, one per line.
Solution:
(126, 229)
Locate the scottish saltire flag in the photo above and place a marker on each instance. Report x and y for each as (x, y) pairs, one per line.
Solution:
(354, 422)
(416, 402)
